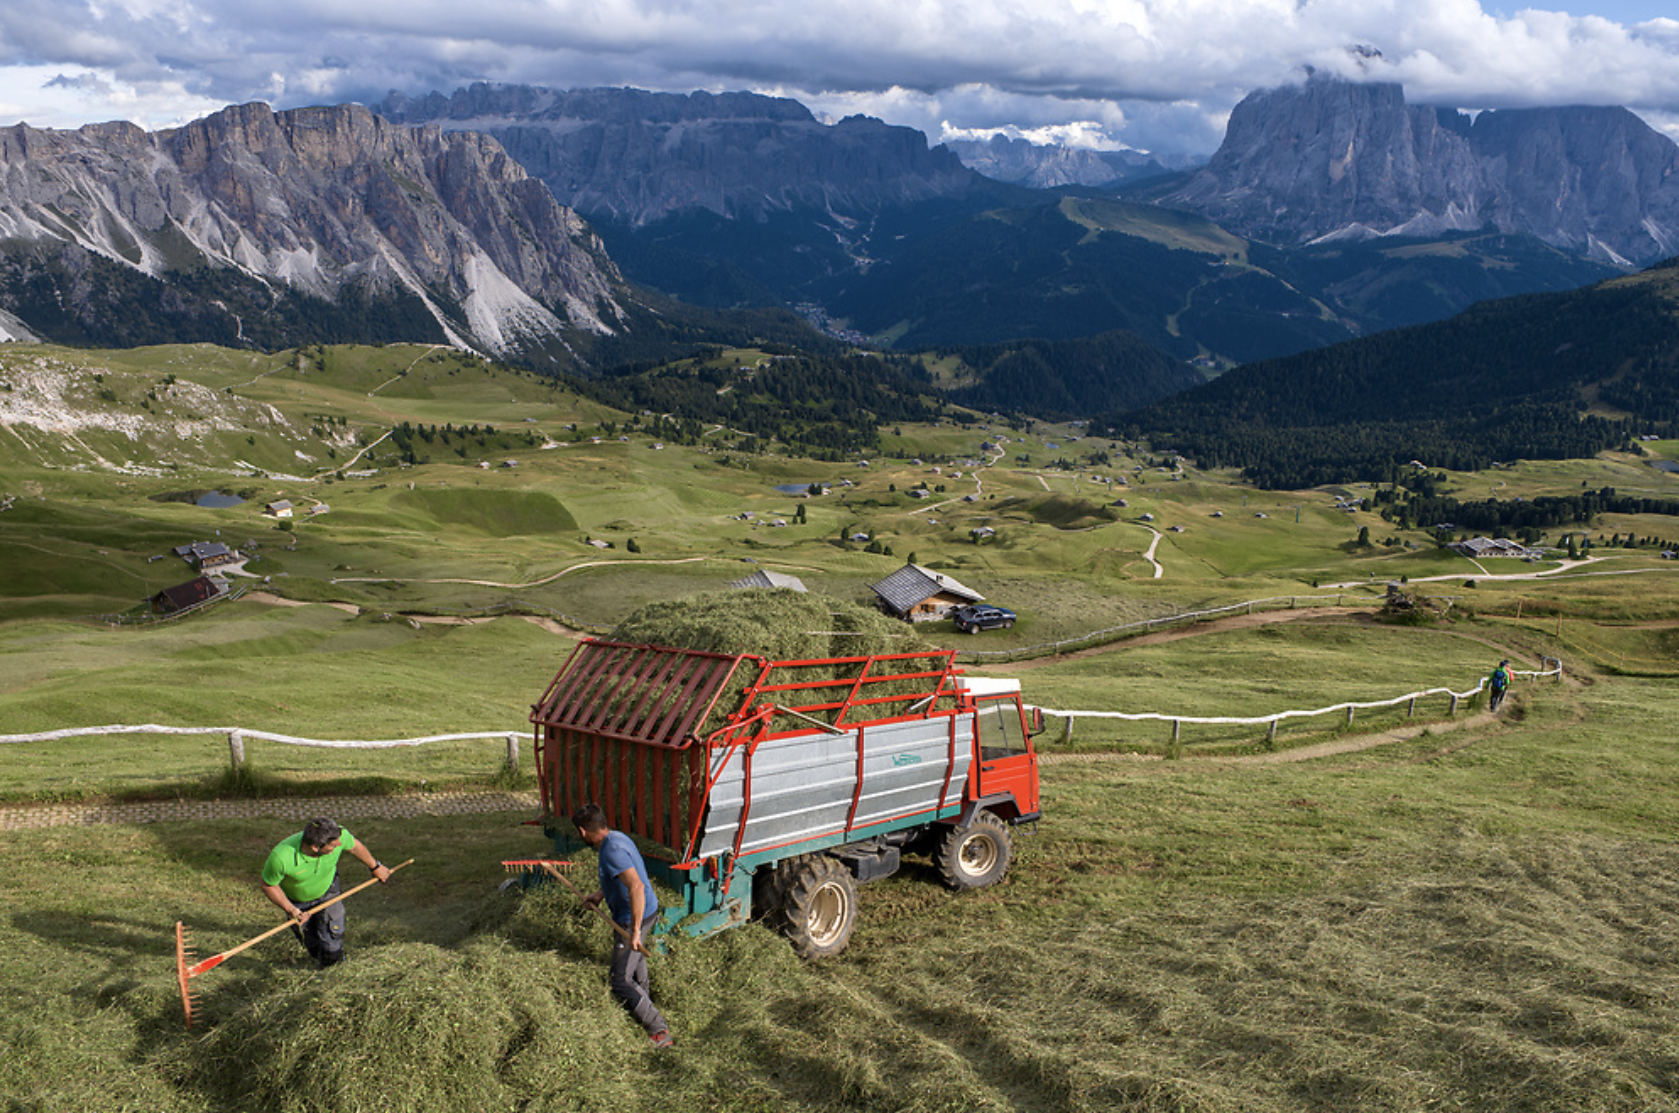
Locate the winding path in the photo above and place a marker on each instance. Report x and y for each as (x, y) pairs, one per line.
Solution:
(1149, 555)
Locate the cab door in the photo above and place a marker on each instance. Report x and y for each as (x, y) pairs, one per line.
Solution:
(1008, 765)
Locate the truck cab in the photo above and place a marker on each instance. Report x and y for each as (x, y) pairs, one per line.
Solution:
(1005, 774)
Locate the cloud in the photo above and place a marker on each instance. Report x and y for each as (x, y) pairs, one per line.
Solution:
(1152, 74)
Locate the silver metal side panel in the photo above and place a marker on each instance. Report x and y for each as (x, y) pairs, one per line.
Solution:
(802, 786)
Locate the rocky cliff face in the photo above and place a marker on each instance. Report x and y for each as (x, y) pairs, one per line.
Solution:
(1331, 158)
(633, 157)
(314, 203)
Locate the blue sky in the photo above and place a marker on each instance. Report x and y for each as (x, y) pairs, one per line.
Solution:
(1157, 75)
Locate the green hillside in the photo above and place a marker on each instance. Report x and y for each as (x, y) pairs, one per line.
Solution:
(1552, 376)
(1078, 266)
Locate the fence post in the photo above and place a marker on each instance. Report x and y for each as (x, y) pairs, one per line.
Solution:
(1067, 730)
(1271, 736)
(1452, 710)
(1349, 716)
(1173, 749)
(1411, 709)
(512, 753)
(236, 749)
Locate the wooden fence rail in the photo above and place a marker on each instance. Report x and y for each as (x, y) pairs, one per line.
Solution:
(1270, 721)
(236, 736)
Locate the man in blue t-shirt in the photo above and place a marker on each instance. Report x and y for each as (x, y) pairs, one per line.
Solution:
(632, 904)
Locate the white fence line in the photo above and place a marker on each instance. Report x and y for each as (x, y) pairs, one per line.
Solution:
(1277, 717)
(237, 735)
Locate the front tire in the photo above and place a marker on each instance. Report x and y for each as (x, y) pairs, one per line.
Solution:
(977, 855)
(820, 908)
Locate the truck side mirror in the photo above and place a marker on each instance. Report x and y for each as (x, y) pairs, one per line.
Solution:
(1035, 722)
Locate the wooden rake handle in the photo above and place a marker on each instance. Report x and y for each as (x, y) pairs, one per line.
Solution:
(553, 869)
(616, 926)
(216, 960)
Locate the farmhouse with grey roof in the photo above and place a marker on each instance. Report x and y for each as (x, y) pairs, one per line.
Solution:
(918, 594)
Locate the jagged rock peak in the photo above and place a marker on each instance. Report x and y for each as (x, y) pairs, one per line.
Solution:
(616, 104)
(632, 156)
(1328, 157)
(315, 199)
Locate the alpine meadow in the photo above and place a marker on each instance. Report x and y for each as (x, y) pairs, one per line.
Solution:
(1055, 613)
(1421, 905)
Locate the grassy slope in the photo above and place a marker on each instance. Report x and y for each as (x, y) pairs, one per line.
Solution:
(1454, 923)
(1473, 919)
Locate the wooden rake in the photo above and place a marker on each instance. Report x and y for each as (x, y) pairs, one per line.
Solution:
(186, 969)
(552, 866)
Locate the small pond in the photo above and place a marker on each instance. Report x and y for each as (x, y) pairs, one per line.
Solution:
(1669, 466)
(795, 488)
(218, 500)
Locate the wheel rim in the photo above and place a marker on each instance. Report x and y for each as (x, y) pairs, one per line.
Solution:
(829, 908)
(978, 855)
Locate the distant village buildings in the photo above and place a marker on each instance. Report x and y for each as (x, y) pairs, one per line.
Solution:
(1477, 547)
(209, 556)
(182, 597)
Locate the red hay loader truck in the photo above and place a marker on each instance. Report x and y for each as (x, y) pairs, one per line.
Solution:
(775, 788)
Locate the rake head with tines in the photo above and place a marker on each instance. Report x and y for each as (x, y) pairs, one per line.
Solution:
(186, 969)
(183, 962)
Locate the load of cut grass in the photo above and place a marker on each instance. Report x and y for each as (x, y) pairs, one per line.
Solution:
(784, 625)
(777, 623)
(518, 1018)
(414, 1027)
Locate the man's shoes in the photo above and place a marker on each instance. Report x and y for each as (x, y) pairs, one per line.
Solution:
(333, 958)
(662, 1038)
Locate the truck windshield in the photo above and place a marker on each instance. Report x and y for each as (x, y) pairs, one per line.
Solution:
(999, 730)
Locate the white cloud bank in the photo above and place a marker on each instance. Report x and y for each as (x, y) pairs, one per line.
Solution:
(1151, 74)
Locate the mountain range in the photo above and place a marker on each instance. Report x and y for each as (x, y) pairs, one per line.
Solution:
(553, 227)
(721, 199)
(1045, 166)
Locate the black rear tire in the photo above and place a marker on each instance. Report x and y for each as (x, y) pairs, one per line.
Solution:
(977, 855)
(820, 907)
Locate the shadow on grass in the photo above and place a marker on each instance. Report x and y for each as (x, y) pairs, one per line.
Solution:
(247, 783)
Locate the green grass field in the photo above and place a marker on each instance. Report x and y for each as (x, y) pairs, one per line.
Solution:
(1477, 914)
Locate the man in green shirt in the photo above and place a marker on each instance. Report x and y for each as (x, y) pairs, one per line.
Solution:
(302, 873)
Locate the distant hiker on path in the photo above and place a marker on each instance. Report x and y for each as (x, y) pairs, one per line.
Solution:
(632, 903)
(1499, 683)
(302, 872)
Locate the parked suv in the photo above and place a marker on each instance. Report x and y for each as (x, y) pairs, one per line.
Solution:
(980, 617)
